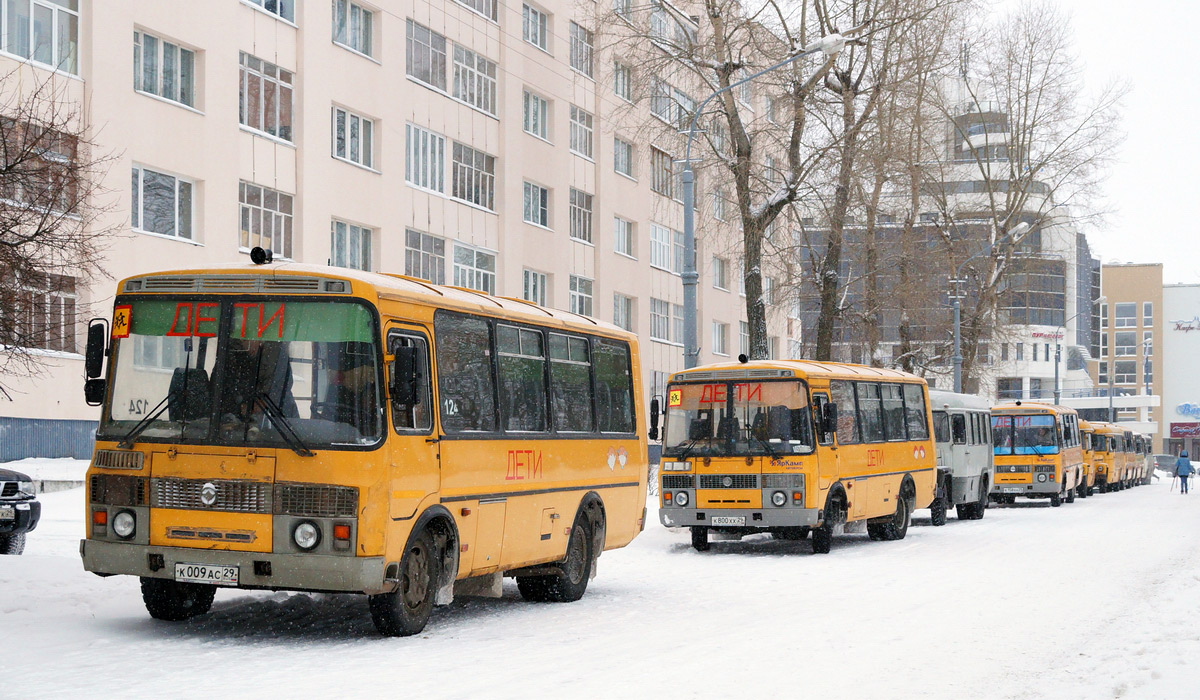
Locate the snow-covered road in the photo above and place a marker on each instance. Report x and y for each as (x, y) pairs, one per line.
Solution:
(1090, 600)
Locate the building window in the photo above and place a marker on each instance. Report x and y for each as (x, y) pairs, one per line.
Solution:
(352, 26)
(660, 320)
(677, 239)
(719, 204)
(426, 55)
(487, 8)
(623, 80)
(536, 116)
(266, 219)
(1102, 373)
(581, 49)
(623, 311)
(350, 245)
(1125, 315)
(1103, 345)
(720, 273)
(474, 80)
(537, 205)
(720, 338)
(164, 69)
(425, 158)
(660, 247)
(623, 236)
(1124, 343)
(44, 31)
(581, 296)
(581, 216)
(474, 269)
(533, 286)
(474, 176)
(1020, 352)
(581, 132)
(1147, 313)
(534, 27)
(353, 138)
(161, 204)
(1035, 388)
(1008, 388)
(424, 256)
(43, 313)
(1036, 295)
(1148, 372)
(266, 97)
(623, 9)
(1033, 348)
(622, 156)
(1104, 315)
(662, 173)
(1125, 372)
(1004, 352)
(744, 338)
(768, 290)
(284, 9)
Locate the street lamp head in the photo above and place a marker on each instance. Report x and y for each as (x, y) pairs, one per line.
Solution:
(1100, 300)
(1019, 230)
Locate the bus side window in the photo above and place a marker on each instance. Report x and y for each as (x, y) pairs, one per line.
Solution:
(842, 394)
(614, 385)
(465, 385)
(418, 415)
(819, 401)
(958, 428)
(941, 427)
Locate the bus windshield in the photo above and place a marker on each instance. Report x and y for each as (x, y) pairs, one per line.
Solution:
(1024, 435)
(738, 418)
(247, 372)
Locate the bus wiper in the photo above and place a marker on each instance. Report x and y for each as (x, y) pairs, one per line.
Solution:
(286, 431)
(687, 449)
(127, 441)
(766, 445)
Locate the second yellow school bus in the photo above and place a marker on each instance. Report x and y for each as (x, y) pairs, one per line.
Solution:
(1109, 445)
(1037, 451)
(295, 427)
(793, 447)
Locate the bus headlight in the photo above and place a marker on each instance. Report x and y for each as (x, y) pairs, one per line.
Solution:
(681, 498)
(779, 498)
(306, 535)
(1042, 478)
(124, 524)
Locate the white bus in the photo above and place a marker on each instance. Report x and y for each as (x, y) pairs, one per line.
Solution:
(962, 432)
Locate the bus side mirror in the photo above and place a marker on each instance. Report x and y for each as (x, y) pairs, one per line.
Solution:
(829, 418)
(404, 376)
(97, 348)
(655, 411)
(93, 391)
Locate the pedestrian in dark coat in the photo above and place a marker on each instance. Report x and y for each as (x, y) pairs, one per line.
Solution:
(1183, 469)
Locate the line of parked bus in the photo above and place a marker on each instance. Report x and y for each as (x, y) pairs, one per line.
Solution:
(293, 427)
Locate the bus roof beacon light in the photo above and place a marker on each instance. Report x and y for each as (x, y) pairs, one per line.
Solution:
(261, 256)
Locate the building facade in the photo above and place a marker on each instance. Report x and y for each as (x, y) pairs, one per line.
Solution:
(467, 142)
(1180, 380)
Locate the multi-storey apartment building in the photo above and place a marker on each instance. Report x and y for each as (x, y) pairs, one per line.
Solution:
(487, 145)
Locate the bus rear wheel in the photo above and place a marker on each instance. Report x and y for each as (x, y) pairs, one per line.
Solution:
(897, 527)
(700, 539)
(937, 511)
(1070, 495)
(175, 601)
(571, 582)
(1055, 501)
(405, 611)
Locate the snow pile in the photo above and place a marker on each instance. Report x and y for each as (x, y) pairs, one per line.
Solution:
(50, 469)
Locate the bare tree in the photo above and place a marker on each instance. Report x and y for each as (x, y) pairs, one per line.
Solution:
(1023, 137)
(51, 232)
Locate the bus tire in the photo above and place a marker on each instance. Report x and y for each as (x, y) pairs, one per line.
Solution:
(405, 611)
(571, 582)
(937, 511)
(1070, 495)
(822, 538)
(897, 527)
(1055, 501)
(700, 539)
(176, 601)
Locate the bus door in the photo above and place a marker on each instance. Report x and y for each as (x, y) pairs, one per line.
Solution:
(827, 452)
(960, 443)
(414, 449)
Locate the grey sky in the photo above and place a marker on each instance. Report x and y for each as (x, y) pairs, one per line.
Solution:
(1152, 189)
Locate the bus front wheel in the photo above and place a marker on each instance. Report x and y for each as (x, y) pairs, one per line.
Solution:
(1055, 501)
(700, 539)
(937, 510)
(404, 611)
(176, 600)
(571, 582)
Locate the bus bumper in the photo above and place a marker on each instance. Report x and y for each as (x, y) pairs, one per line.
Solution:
(756, 518)
(1046, 489)
(263, 570)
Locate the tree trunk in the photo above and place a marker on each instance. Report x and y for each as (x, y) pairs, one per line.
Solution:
(830, 284)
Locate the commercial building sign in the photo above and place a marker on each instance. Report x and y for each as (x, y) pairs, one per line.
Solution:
(1049, 336)
(1192, 410)
(1187, 326)
(1184, 430)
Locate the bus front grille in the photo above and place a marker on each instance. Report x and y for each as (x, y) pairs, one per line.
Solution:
(218, 494)
(679, 481)
(1013, 469)
(729, 481)
(316, 500)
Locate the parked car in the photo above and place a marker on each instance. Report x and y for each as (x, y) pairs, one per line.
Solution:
(19, 510)
(1165, 463)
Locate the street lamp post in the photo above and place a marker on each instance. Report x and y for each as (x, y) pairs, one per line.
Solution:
(830, 45)
(1015, 231)
(1058, 345)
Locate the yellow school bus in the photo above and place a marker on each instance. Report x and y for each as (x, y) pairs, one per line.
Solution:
(295, 427)
(792, 447)
(1109, 443)
(1037, 451)
(1088, 443)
